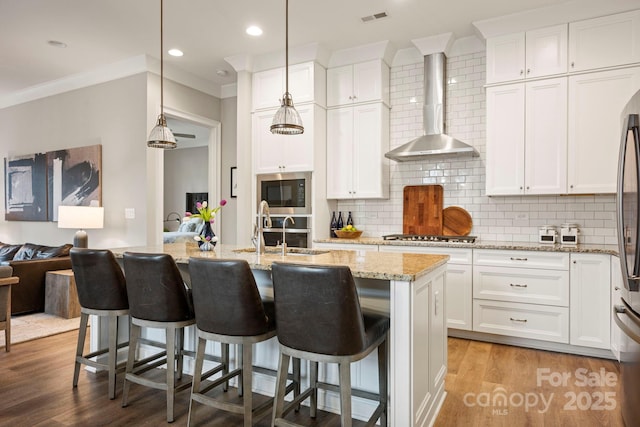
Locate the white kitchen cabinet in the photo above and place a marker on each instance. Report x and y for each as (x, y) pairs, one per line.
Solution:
(307, 83)
(283, 153)
(617, 335)
(537, 53)
(459, 281)
(527, 138)
(595, 103)
(437, 334)
(522, 294)
(590, 304)
(606, 41)
(362, 82)
(345, 246)
(357, 138)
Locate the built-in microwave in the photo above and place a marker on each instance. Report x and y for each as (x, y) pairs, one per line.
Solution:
(286, 193)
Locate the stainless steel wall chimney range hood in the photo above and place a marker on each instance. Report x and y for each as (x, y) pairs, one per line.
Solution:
(434, 142)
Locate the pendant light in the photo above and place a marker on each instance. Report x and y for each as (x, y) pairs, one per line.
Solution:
(287, 121)
(161, 136)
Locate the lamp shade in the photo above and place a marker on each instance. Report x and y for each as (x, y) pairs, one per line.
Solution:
(80, 217)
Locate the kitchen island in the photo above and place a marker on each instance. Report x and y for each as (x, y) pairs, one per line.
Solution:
(409, 288)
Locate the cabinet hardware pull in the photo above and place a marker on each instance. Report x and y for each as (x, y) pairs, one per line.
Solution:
(518, 259)
(528, 70)
(517, 285)
(521, 72)
(518, 320)
(617, 288)
(572, 64)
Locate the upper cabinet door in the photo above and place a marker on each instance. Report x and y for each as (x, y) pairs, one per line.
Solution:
(607, 41)
(505, 58)
(340, 85)
(546, 136)
(596, 101)
(268, 89)
(505, 139)
(546, 51)
(357, 83)
(307, 83)
(536, 53)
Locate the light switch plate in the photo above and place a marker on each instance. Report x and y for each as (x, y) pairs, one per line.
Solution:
(129, 213)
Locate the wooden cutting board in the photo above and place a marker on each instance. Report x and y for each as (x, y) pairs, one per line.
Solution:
(456, 221)
(422, 209)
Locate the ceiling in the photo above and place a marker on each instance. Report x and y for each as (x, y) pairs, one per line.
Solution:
(101, 32)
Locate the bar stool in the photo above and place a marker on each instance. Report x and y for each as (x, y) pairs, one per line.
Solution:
(158, 298)
(102, 292)
(229, 310)
(319, 319)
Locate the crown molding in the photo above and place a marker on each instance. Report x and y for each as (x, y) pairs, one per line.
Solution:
(117, 70)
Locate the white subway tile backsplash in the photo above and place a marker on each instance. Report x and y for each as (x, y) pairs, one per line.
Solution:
(513, 218)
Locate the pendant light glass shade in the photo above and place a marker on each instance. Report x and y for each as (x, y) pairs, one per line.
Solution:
(161, 136)
(287, 121)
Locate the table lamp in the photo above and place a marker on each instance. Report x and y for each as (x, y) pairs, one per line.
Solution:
(81, 218)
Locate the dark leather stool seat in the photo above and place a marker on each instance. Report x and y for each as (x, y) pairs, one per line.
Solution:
(158, 298)
(102, 291)
(319, 319)
(229, 310)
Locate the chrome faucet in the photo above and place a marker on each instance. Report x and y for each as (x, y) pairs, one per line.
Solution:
(284, 229)
(258, 237)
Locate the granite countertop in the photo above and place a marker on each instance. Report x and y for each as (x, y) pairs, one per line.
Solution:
(363, 264)
(519, 246)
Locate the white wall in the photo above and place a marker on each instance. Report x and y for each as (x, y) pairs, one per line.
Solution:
(515, 218)
(119, 115)
(228, 215)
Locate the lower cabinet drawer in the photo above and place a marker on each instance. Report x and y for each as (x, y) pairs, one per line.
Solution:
(541, 322)
(524, 285)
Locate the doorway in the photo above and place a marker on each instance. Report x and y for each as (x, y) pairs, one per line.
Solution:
(201, 174)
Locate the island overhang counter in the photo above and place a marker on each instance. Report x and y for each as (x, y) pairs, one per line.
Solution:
(408, 287)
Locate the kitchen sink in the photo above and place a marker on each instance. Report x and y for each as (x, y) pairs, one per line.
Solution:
(273, 250)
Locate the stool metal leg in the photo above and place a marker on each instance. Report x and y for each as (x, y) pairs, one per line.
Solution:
(197, 374)
(296, 380)
(345, 393)
(281, 387)
(82, 334)
(171, 372)
(224, 355)
(313, 382)
(134, 336)
(383, 380)
(240, 363)
(247, 361)
(112, 356)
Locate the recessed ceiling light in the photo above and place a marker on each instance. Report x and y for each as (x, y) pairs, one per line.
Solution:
(254, 31)
(175, 52)
(56, 43)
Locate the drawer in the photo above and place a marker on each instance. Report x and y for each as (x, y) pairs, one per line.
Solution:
(522, 259)
(527, 285)
(540, 322)
(456, 255)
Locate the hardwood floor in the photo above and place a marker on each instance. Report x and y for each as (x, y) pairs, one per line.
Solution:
(35, 390)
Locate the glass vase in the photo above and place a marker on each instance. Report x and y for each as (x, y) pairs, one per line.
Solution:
(207, 231)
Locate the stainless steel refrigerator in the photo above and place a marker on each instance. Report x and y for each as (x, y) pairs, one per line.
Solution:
(627, 309)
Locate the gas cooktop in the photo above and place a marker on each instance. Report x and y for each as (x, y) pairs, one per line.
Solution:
(431, 238)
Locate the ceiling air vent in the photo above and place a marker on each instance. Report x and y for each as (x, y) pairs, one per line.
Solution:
(375, 16)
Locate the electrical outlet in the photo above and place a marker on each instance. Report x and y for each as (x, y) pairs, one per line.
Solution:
(129, 213)
(522, 216)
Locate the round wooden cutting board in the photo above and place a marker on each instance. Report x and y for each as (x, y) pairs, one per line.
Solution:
(456, 221)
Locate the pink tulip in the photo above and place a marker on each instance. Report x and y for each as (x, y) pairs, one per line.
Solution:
(199, 205)
(187, 214)
(212, 220)
(223, 202)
